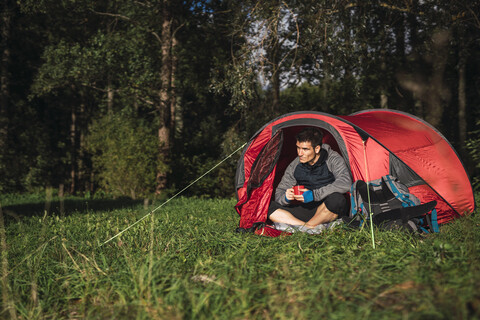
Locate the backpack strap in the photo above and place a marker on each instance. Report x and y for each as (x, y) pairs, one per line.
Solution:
(353, 202)
(381, 197)
(431, 219)
(406, 201)
(432, 222)
(435, 221)
(406, 213)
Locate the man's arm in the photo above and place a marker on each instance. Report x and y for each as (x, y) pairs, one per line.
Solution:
(287, 182)
(342, 182)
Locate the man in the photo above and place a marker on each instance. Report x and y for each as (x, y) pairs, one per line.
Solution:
(325, 176)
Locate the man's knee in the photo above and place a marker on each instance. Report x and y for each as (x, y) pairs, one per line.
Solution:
(337, 203)
(274, 206)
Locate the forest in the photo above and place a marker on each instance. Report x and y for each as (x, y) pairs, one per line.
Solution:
(138, 98)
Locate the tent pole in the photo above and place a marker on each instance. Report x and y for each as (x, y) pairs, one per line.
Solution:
(368, 193)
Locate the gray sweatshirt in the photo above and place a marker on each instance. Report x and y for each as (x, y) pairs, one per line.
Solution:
(335, 164)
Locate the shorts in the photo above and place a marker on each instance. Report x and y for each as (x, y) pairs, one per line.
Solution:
(335, 202)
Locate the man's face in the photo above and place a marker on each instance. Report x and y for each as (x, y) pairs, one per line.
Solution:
(306, 153)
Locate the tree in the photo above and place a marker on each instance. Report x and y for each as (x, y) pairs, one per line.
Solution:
(465, 27)
(115, 59)
(205, 75)
(167, 103)
(124, 155)
(205, 130)
(128, 62)
(6, 17)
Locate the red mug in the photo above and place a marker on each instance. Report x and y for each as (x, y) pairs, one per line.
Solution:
(296, 190)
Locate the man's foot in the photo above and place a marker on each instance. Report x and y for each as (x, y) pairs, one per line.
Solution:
(315, 230)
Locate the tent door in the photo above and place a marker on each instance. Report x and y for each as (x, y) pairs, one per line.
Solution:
(265, 162)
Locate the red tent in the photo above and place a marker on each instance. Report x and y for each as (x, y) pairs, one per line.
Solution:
(393, 142)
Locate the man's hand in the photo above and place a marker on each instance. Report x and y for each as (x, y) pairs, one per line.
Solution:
(302, 198)
(289, 194)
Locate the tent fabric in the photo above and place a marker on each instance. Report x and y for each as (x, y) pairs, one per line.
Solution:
(392, 142)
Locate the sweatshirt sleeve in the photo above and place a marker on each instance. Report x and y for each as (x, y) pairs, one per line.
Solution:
(287, 182)
(343, 181)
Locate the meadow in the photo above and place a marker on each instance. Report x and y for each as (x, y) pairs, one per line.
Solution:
(186, 262)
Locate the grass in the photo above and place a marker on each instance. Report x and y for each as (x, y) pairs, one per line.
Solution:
(185, 262)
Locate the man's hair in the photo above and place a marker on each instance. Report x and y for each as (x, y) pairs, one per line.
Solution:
(312, 135)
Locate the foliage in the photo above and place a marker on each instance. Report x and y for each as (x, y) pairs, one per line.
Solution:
(473, 145)
(337, 100)
(218, 182)
(124, 155)
(236, 66)
(185, 262)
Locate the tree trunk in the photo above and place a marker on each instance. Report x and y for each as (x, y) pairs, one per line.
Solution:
(383, 84)
(438, 93)
(430, 88)
(462, 103)
(173, 90)
(399, 29)
(110, 95)
(73, 150)
(61, 194)
(274, 60)
(166, 95)
(275, 91)
(413, 29)
(325, 82)
(400, 38)
(82, 176)
(383, 101)
(6, 16)
(414, 47)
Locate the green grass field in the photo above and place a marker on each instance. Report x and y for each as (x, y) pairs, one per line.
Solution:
(185, 262)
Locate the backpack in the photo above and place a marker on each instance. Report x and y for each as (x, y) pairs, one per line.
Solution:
(391, 206)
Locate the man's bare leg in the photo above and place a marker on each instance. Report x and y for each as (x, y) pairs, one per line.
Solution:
(322, 215)
(283, 216)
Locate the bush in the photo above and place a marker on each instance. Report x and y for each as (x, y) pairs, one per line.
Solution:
(473, 146)
(125, 155)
